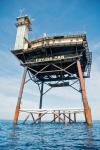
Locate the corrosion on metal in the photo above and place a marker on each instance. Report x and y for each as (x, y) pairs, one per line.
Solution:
(87, 110)
(56, 61)
(20, 97)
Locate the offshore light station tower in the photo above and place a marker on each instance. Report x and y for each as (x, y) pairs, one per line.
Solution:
(56, 61)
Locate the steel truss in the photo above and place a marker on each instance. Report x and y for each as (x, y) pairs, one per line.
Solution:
(59, 81)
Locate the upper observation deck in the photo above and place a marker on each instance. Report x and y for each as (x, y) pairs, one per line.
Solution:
(53, 58)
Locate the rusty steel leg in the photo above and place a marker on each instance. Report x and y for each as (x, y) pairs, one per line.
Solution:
(87, 110)
(20, 97)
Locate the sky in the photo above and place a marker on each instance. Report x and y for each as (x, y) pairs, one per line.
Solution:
(54, 17)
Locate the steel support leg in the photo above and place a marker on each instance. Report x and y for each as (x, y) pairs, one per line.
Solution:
(59, 116)
(69, 117)
(54, 116)
(74, 117)
(87, 110)
(20, 97)
(64, 117)
(41, 96)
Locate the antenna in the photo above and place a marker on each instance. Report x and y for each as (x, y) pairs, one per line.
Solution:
(22, 12)
(44, 34)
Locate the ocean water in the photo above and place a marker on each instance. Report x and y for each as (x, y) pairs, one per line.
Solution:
(49, 136)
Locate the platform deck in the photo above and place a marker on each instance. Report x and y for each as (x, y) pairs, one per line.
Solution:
(59, 114)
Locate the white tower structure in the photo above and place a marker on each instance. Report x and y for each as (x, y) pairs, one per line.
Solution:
(23, 27)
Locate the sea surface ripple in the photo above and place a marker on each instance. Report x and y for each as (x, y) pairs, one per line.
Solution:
(49, 136)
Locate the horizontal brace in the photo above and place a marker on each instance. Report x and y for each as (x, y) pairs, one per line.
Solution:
(59, 78)
(50, 71)
(59, 84)
(66, 110)
(67, 59)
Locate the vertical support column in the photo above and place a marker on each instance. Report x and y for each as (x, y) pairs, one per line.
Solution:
(64, 117)
(59, 116)
(74, 117)
(87, 110)
(69, 117)
(41, 96)
(20, 97)
(54, 116)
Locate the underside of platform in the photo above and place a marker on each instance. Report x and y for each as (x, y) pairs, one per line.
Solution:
(47, 58)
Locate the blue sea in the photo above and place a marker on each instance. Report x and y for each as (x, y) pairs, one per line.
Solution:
(49, 136)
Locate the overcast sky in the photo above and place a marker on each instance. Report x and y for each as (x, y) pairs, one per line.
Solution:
(51, 17)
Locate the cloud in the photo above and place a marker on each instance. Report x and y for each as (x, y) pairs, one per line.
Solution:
(94, 46)
(8, 104)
